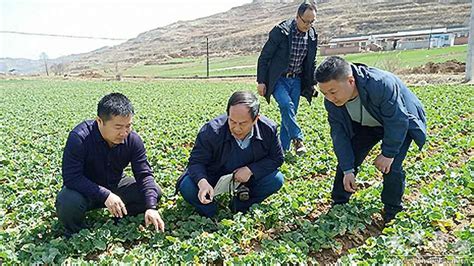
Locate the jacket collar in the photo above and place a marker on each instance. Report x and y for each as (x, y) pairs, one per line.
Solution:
(96, 133)
(256, 132)
(361, 75)
(285, 27)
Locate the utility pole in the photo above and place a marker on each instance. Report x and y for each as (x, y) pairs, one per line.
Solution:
(470, 47)
(207, 54)
(429, 38)
(44, 57)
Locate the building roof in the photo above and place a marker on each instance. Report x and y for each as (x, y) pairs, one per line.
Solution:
(397, 34)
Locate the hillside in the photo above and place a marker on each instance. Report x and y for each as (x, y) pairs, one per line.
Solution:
(244, 29)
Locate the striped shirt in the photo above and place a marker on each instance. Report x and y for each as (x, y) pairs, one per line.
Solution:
(298, 49)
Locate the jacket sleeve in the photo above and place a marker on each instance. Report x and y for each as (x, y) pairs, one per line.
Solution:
(73, 170)
(394, 116)
(143, 173)
(340, 139)
(268, 51)
(270, 163)
(201, 155)
(314, 82)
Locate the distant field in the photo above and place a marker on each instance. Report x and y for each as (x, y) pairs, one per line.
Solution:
(246, 65)
(238, 65)
(411, 58)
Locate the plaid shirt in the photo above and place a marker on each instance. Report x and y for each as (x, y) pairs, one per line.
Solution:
(298, 50)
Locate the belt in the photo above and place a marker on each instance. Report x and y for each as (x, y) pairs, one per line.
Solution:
(290, 75)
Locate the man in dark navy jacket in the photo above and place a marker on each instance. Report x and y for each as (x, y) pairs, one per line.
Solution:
(366, 105)
(285, 70)
(96, 153)
(241, 142)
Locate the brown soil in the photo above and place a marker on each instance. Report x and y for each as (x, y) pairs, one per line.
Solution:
(348, 241)
(89, 74)
(432, 79)
(448, 67)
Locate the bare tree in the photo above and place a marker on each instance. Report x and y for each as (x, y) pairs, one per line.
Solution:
(44, 57)
(118, 75)
(58, 69)
(470, 48)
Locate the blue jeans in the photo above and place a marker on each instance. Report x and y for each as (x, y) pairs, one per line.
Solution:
(287, 94)
(393, 183)
(260, 189)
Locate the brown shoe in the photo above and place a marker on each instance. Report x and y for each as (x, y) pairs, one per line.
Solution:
(300, 149)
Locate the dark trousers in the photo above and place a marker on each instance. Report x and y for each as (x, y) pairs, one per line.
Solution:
(260, 189)
(71, 206)
(393, 183)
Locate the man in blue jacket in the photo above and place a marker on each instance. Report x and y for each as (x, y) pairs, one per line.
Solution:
(242, 142)
(96, 153)
(285, 70)
(366, 105)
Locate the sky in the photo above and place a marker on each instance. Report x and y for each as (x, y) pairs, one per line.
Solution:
(122, 19)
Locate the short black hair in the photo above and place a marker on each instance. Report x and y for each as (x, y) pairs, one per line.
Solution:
(114, 104)
(305, 6)
(333, 68)
(247, 98)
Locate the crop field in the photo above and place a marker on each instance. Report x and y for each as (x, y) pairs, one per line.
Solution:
(295, 225)
(246, 64)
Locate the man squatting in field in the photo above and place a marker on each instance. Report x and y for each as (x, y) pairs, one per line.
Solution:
(241, 142)
(96, 153)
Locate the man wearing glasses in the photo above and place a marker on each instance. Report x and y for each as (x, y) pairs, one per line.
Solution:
(285, 70)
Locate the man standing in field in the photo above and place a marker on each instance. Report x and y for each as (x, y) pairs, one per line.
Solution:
(96, 153)
(241, 142)
(285, 70)
(366, 105)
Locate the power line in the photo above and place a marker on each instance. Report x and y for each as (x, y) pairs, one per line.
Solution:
(62, 36)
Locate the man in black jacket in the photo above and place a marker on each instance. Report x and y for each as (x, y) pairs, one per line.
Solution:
(285, 70)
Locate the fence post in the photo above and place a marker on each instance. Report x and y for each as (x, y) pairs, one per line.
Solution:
(470, 48)
(207, 53)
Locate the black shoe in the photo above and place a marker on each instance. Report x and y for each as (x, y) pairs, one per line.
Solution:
(389, 214)
(388, 217)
